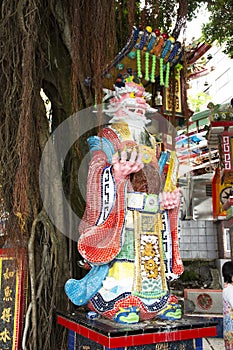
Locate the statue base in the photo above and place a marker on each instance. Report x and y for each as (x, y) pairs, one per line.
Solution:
(103, 334)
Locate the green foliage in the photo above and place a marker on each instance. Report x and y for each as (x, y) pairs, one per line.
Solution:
(193, 7)
(166, 15)
(189, 276)
(199, 101)
(220, 26)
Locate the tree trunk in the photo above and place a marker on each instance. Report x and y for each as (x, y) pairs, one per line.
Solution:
(53, 45)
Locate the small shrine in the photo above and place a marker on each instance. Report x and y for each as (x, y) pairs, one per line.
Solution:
(219, 137)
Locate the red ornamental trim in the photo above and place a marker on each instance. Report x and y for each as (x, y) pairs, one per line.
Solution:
(227, 151)
(13, 269)
(138, 339)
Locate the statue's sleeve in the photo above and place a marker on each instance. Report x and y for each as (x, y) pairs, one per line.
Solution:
(102, 226)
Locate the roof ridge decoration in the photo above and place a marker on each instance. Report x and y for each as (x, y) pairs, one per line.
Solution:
(148, 55)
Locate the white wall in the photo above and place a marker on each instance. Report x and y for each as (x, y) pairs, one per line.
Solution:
(198, 239)
(219, 78)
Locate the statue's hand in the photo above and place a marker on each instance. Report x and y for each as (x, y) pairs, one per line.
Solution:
(125, 164)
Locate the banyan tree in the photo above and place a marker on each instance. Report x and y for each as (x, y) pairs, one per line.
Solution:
(54, 53)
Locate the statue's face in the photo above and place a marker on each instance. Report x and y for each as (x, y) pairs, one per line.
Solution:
(132, 104)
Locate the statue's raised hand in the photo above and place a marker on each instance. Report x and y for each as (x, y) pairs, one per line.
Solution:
(125, 163)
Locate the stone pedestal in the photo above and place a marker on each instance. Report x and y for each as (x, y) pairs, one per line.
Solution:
(103, 334)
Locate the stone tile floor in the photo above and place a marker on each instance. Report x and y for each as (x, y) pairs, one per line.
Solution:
(213, 344)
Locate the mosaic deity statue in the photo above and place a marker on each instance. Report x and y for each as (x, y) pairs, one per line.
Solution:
(128, 234)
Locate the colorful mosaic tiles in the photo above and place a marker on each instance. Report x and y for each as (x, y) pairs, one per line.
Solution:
(129, 229)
